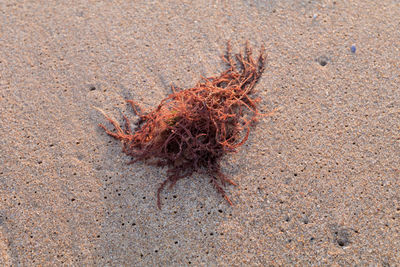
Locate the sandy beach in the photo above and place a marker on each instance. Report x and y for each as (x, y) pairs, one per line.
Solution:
(319, 182)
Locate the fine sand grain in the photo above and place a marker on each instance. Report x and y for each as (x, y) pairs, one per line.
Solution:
(318, 182)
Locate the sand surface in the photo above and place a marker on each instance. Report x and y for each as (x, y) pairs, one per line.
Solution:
(319, 181)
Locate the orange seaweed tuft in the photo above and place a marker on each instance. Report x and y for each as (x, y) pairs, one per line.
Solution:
(192, 129)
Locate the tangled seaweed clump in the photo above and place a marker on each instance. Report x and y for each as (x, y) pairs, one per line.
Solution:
(192, 129)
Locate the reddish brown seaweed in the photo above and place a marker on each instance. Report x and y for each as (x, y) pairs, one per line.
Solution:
(192, 129)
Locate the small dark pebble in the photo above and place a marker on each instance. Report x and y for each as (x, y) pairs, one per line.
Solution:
(353, 48)
(342, 242)
(322, 60)
(342, 237)
(287, 219)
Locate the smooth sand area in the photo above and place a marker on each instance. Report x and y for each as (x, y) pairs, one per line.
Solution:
(318, 182)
